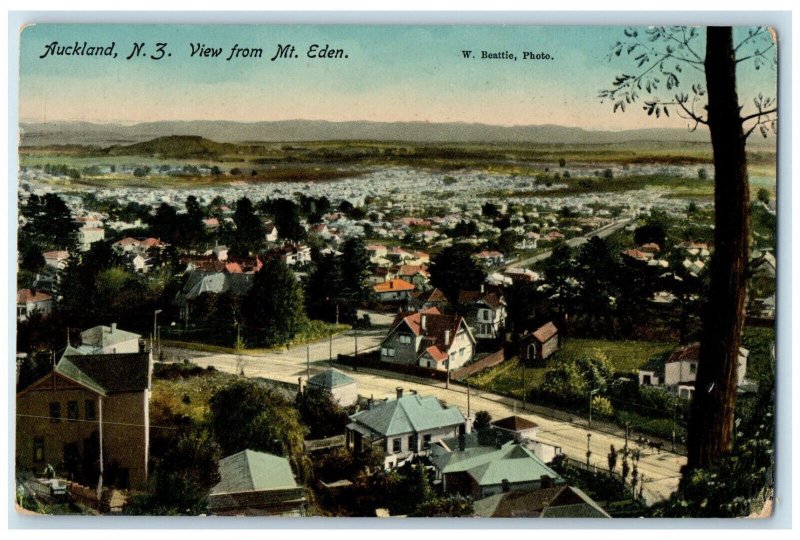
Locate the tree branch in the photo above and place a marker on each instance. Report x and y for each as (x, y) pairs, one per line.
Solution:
(759, 113)
(759, 32)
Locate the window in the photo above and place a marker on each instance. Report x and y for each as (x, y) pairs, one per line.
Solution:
(390, 352)
(55, 411)
(692, 368)
(426, 441)
(412, 443)
(461, 351)
(90, 412)
(38, 449)
(405, 338)
(396, 444)
(72, 411)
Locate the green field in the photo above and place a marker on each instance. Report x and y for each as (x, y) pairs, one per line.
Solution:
(625, 356)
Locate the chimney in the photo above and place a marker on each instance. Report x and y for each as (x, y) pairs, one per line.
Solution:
(391, 284)
(481, 288)
(113, 327)
(369, 403)
(545, 481)
(399, 392)
(462, 442)
(299, 384)
(506, 485)
(423, 322)
(447, 337)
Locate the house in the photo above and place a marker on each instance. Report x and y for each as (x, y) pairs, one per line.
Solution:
(540, 344)
(482, 471)
(485, 312)
(403, 428)
(56, 259)
(394, 290)
(517, 427)
(89, 412)
(201, 282)
(32, 300)
(256, 484)
(293, 254)
(415, 274)
(211, 223)
(342, 388)
(270, 232)
(490, 258)
(429, 339)
(434, 298)
(108, 340)
(678, 372)
(220, 253)
(552, 502)
(88, 236)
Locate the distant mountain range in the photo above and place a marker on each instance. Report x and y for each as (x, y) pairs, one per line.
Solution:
(86, 133)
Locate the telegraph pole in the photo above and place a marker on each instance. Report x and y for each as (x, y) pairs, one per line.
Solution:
(308, 361)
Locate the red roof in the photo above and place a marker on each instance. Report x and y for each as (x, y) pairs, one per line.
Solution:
(545, 332)
(27, 296)
(393, 285)
(234, 268)
(436, 353)
(684, 354)
(59, 254)
(412, 270)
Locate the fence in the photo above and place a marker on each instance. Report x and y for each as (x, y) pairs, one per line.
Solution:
(486, 362)
(372, 360)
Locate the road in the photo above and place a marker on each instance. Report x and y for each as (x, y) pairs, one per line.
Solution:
(660, 470)
(602, 232)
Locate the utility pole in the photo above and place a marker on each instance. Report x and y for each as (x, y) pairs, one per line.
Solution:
(155, 329)
(588, 449)
(447, 367)
(591, 393)
(308, 361)
(468, 393)
(330, 348)
(523, 385)
(356, 334)
(674, 409)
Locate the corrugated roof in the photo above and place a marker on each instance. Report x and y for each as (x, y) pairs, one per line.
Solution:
(490, 465)
(253, 471)
(331, 378)
(106, 336)
(412, 413)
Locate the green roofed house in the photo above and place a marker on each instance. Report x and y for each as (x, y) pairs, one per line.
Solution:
(256, 484)
(89, 417)
(108, 340)
(342, 387)
(481, 471)
(553, 502)
(404, 427)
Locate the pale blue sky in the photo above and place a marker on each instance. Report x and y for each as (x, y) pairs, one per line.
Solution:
(392, 73)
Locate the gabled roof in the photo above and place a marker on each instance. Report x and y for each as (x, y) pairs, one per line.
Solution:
(408, 414)
(108, 373)
(545, 332)
(331, 378)
(253, 471)
(436, 295)
(106, 336)
(515, 423)
(414, 320)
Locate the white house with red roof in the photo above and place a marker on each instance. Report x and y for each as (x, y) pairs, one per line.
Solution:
(394, 290)
(429, 339)
(30, 301)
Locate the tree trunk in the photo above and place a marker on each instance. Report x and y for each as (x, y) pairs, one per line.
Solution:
(711, 427)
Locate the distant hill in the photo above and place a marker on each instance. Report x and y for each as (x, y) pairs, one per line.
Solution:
(85, 133)
(176, 146)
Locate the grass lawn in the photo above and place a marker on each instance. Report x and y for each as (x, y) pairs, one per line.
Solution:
(625, 356)
(187, 396)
